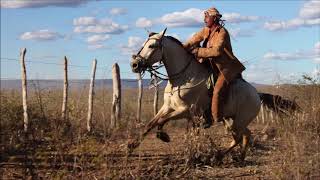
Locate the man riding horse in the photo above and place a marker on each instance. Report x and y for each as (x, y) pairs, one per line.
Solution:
(216, 51)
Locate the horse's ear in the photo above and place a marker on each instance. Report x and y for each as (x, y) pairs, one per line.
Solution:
(163, 32)
(151, 34)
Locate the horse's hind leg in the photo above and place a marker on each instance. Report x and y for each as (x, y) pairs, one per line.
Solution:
(236, 140)
(245, 142)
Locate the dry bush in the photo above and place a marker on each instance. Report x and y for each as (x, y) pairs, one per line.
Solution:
(200, 149)
(58, 150)
(299, 133)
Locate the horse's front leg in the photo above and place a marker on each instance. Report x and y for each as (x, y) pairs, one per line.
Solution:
(178, 114)
(151, 124)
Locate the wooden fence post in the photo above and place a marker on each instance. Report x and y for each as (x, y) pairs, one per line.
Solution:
(24, 89)
(65, 90)
(139, 97)
(91, 93)
(156, 95)
(116, 101)
(263, 114)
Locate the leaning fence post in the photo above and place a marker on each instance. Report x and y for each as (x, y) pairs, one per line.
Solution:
(116, 101)
(91, 93)
(140, 88)
(65, 90)
(156, 95)
(24, 89)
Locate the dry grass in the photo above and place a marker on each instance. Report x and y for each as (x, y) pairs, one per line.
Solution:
(285, 148)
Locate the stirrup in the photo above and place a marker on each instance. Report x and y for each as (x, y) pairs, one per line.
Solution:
(208, 119)
(207, 125)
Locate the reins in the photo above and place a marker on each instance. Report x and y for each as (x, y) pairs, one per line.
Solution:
(153, 70)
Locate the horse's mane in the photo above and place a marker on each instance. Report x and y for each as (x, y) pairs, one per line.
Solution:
(175, 40)
(179, 43)
(170, 37)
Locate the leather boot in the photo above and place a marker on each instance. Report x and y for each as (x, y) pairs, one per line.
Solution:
(208, 118)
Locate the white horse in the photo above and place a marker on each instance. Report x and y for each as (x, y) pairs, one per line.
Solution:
(186, 93)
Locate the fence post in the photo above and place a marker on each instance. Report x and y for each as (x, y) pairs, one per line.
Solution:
(91, 93)
(263, 114)
(65, 90)
(140, 88)
(24, 89)
(156, 95)
(116, 101)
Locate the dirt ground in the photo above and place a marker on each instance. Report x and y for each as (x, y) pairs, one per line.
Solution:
(96, 158)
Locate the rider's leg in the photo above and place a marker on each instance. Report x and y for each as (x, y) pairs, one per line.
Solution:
(207, 114)
(219, 93)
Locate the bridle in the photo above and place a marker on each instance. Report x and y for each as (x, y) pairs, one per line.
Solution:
(153, 69)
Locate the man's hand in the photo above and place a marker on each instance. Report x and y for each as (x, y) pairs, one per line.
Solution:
(186, 46)
(194, 51)
(200, 60)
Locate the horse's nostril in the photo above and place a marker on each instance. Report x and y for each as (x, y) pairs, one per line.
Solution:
(134, 65)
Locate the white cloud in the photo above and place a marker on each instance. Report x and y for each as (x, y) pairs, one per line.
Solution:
(259, 72)
(41, 35)
(238, 18)
(39, 4)
(313, 54)
(310, 10)
(118, 11)
(85, 21)
(189, 18)
(193, 17)
(309, 15)
(286, 56)
(94, 39)
(134, 44)
(96, 46)
(143, 22)
(290, 24)
(112, 29)
(93, 25)
(316, 72)
(238, 32)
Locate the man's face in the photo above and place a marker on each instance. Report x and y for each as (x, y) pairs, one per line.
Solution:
(209, 20)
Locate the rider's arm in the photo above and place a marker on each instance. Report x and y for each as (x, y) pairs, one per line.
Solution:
(195, 39)
(217, 49)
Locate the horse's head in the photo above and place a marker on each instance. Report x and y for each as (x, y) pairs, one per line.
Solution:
(150, 53)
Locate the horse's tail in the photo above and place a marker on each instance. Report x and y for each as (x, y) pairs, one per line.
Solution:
(279, 104)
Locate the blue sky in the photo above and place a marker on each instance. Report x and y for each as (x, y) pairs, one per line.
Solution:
(278, 41)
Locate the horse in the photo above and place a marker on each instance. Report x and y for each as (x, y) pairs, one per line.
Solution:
(186, 92)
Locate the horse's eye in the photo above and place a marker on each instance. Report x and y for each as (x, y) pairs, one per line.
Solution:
(152, 46)
(155, 45)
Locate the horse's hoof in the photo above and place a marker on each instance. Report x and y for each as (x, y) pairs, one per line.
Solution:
(132, 145)
(163, 136)
(238, 158)
(219, 156)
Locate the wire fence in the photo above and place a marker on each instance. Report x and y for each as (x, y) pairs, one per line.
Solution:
(48, 71)
(104, 73)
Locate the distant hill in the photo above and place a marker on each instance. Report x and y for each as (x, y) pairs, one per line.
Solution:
(74, 84)
(81, 83)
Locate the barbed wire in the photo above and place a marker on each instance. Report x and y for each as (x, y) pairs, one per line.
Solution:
(107, 68)
(39, 62)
